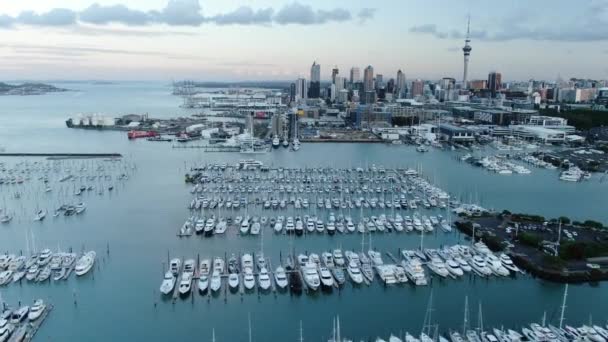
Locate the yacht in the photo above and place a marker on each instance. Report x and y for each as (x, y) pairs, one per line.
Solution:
(44, 275)
(245, 226)
(203, 270)
(310, 275)
(185, 283)
(464, 265)
(168, 283)
(280, 277)
(338, 258)
(508, 263)
(285, 143)
(19, 315)
(6, 277)
(326, 278)
(175, 266)
(44, 257)
(264, 279)
(32, 272)
(437, 266)
(80, 208)
(354, 272)
(233, 281)
(6, 329)
(479, 265)
(276, 142)
(495, 264)
(414, 271)
(221, 227)
(248, 278)
(85, 263)
(36, 310)
(454, 268)
(246, 261)
(216, 280)
(40, 215)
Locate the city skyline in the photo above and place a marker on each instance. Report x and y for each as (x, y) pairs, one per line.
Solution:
(275, 40)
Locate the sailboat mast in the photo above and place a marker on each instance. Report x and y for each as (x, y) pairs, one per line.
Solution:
(249, 319)
(466, 315)
(301, 335)
(561, 317)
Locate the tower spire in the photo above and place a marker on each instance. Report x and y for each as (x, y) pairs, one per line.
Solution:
(467, 52)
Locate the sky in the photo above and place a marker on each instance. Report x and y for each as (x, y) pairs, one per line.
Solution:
(236, 40)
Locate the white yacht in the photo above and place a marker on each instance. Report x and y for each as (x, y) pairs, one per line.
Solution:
(310, 275)
(414, 271)
(216, 280)
(436, 265)
(326, 278)
(338, 258)
(248, 278)
(280, 277)
(168, 283)
(6, 329)
(264, 279)
(233, 281)
(40, 215)
(185, 283)
(508, 263)
(479, 265)
(276, 142)
(85, 263)
(19, 315)
(495, 264)
(175, 266)
(247, 261)
(245, 226)
(464, 265)
(354, 272)
(454, 268)
(36, 310)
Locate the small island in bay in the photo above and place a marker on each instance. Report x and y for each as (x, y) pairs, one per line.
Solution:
(28, 88)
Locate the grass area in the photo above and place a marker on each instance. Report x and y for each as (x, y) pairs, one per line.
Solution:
(582, 250)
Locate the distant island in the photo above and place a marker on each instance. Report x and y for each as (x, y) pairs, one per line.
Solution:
(28, 89)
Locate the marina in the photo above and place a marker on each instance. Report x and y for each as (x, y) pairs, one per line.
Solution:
(140, 219)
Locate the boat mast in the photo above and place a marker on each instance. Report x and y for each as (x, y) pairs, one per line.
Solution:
(561, 317)
(249, 319)
(301, 335)
(466, 315)
(339, 339)
(213, 335)
(480, 319)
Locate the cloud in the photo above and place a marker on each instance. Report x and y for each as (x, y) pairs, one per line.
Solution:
(183, 13)
(366, 14)
(585, 22)
(244, 15)
(296, 13)
(100, 15)
(54, 17)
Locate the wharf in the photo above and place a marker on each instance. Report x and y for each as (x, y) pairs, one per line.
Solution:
(344, 140)
(34, 326)
(208, 148)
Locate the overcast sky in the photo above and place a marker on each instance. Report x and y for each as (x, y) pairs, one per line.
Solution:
(270, 39)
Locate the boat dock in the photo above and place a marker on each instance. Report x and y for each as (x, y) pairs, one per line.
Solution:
(34, 326)
(208, 148)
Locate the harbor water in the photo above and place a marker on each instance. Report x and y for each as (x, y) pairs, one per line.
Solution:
(133, 230)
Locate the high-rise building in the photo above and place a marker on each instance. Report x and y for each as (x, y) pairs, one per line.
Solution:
(467, 52)
(334, 73)
(355, 75)
(494, 82)
(368, 79)
(379, 81)
(477, 84)
(314, 89)
(448, 83)
(400, 84)
(390, 86)
(417, 88)
(301, 89)
(339, 82)
(292, 92)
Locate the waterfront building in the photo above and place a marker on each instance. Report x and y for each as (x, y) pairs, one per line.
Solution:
(455, 134)
(538, 133)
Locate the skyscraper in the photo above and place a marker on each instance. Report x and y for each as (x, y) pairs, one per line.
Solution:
(355, 75)
(301, 89)
(379, 81)
(334, 73)
(315, 81)
(494, 82)
(400, 84)
(417, 88)
(368, 79)
(467, 52)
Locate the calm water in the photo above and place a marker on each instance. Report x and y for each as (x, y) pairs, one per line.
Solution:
(120, 299)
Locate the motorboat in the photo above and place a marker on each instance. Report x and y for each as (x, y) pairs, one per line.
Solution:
(264, 279)
(203, 271)
(19, 315)
(85, 263)
(280, 277)
(454, 268)
(326, 278)
(36, 310)
(221, 227)
(185, 283)
(245, 226)
(168, 283)
(464, 265)
(414, 271)
(32, 272)
(216, 280)
(6, 277)
(44, 274)
(438, 267)
(6, 329)
(495, 264)
(310, 275)
(479, 265)
(44, 257)
(40, 215)
(338, 258)
(508, 263)
(375, 257)
(233, 281)
(248, 278)
(246, 261)
(354, 272)
(175, 266)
